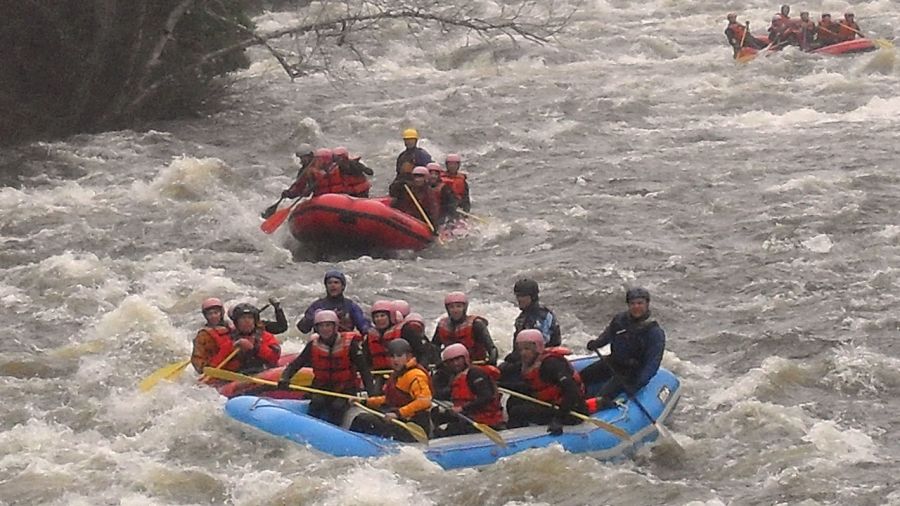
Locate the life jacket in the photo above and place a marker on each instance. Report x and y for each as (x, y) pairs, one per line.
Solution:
(461, 394)
(376, 342)
(425, 199)
(549, 392)
(355, 185)
(394, 393)
(846, 30)
(332, 365)
(448, 333)
(456, 182)
(827, 32)
(438, 197)
(212, 345)
(268, 351)
(328, 180)
(737, 31)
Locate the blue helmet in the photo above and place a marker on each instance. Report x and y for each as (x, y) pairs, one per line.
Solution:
(336, 274)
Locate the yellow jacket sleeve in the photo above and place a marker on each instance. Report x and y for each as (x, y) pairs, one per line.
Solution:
(416, 382)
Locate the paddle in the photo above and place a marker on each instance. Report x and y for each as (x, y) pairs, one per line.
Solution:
(273, 222)
(612, 429)
(165, 372)
(415, 201)
(203, 378)
(414, 429)
(485, 429)
(664, 432)
(271, 209)
(470, 215)
(744, 35)
(417, 432)
(882, 43)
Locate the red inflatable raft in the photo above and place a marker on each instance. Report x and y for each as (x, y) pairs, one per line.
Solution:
(339, 220)
(846, 47)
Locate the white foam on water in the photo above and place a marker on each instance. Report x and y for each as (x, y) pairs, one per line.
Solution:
(745, 386)
(820, 243)
(372, 486)
(842, 446)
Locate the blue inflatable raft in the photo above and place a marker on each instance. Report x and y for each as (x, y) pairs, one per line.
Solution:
(287, 418)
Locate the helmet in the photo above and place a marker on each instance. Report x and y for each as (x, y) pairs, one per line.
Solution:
(211, 303)
(826, 15)
(434, 167)
(848, 15)
(731, 16)
(526, 286)
(324, 154)
(335, 274)
(382, 306)
(398, 346)
(414, 317)
(455, 350)
(396, 317)
(304, 150)
(420, 171)
(244, 308)
(340, 152)
(455, 297)
(785, 7)
(637, 293)
(410, 133)
(532, 336)
(325, 316)
(453, 157)
(402, 306)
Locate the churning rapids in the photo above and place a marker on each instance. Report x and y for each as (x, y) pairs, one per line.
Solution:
(758, 203)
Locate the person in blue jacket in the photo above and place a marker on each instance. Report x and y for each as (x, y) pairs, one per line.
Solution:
(350, 315)
(637, 343)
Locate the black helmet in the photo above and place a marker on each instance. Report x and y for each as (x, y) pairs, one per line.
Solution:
(398, 347)
(244, 308)
(637, 293)
(526, 286)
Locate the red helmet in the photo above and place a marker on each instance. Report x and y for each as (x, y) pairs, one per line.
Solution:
(420, 171)
(434, 167)
(455, 350)
(532, 336)
(341, 152)
(453, 157)
(382, 306)
(402, 306)
(211, 303)
(452, 297)
(414, 317)
(325, 316)
(324, 154)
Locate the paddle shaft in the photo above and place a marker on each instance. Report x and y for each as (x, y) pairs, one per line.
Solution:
(599, 423)
(470, 215)
(415, 201)
(485, 429)
(418, 433)
(235, 376)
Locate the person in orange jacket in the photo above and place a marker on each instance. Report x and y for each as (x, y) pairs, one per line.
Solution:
(848, 29)
(457, 181)
(446, 198)
(407, 397)
(353, 173)
(212, 343)
(827, 31)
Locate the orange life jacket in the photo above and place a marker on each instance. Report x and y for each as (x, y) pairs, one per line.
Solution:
(846, 30)
(328, 180)
(355, 185)
(332, 365)
(376, 342)
(461, 394)
(456, 182)
(738, 30)
(549, 392)
(211, 346)
(448, 333)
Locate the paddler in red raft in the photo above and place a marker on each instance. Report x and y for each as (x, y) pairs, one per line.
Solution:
(739, 36)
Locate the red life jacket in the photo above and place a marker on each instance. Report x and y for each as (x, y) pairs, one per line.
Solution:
(395, 397)
(355, 185)
(332, 365)
(426, 200)
(461, 333)
(226, 346)
(846, 30)
(549, 392)
(456, 182)
(268, 350)
(328, 180)
(461, 394)
(738, 30)
(377, 345)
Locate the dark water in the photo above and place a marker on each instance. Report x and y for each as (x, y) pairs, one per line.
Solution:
(757, 203)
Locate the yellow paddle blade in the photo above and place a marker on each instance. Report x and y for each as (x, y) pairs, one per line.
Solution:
(883, 43)
(417, 432)
(163, 373)
(492, 434)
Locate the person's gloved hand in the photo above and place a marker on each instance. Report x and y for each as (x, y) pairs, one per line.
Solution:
(286, 194)
(244, 344)
(284, 384)
(555, 428)
(593, 345)
(274, 302)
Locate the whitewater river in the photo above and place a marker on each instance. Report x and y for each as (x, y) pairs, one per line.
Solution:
(758, 203)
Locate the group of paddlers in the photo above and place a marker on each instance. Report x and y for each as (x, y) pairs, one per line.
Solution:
(786, 31)
(404, 376)
(422, 187)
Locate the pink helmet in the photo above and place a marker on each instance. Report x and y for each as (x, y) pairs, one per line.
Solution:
(420, 171)
(533, 336)
(414, 317)
(453, 157)
(456, 297)
(382, 305)
(341, 152)
(402, 306)
(324, 154)
(325, 316)
(211, 303)
(396, 317)
(434, 167)
(455, 350)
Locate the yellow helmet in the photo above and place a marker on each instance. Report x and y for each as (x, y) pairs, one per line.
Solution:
(410, 133)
